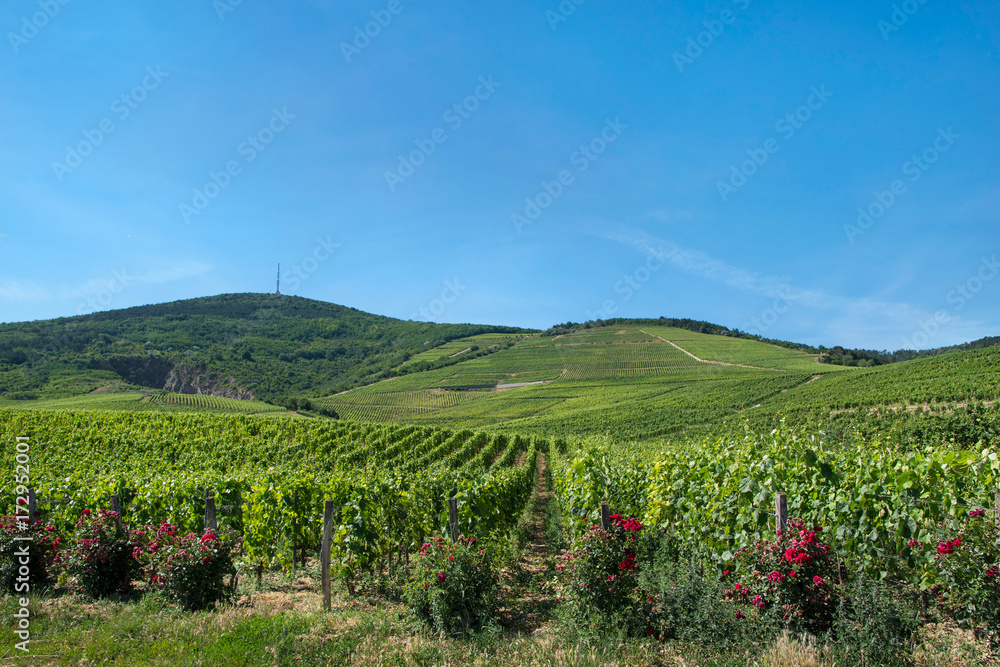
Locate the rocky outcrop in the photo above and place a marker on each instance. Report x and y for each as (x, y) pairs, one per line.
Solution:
(159, 373)
(187, 379)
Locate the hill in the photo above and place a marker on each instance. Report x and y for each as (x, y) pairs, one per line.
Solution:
(636, 379)
(243, 346)
(643, 382)
(633, 381)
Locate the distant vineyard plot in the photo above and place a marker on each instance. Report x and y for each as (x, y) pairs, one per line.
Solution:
(630, 381)
(135, 401)
(457, 348)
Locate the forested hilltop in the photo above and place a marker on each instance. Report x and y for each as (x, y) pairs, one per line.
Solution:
(263, 346)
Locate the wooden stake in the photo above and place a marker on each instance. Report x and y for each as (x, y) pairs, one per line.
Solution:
(32, 504)
(116, 506)
(324, 552)
(210, 521)
(996, 503)
(605, 515)
(295, 522)
(453, 518)
(781, 512)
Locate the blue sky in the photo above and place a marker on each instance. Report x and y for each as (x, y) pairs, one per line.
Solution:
(522, 163)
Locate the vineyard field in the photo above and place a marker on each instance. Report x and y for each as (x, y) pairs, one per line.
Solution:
(718, 494)
(632, 383)
(625, 380)
(149, 402)
(274, 475)
(456, 347)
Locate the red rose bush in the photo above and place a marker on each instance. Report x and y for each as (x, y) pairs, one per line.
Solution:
(453, 586)
(793, 578)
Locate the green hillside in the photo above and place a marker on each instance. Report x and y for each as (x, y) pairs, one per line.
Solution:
(633, 381)
(642, 382)
(636, 380)
(262, 346)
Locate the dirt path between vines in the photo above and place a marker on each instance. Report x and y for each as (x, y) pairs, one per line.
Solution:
(934, 408)
(707, 361)
(531, 611)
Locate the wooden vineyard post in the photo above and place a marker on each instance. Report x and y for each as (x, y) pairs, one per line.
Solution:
(388, 533)
(295, 522)
(32, 504)
(453, 518)
(605, 515)
(781, 512)
(324, 552)
(211, 523)
(116, 506)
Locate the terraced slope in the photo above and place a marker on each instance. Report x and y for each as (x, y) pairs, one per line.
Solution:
(631, 381)
(644, 382)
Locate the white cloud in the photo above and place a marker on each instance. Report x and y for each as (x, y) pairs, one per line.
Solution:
(119, 279)
(849, 321)
(12, 290)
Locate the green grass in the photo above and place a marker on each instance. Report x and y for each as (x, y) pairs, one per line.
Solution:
(282, 623)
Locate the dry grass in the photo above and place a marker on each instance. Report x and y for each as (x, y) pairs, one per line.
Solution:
(791, 652)
(946, 645)
(542, 650)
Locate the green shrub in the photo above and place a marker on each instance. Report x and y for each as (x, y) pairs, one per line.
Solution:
(453, 587)
(38, 553)
(688, 596)
(188, 569)
(868, 628)
(101, 560)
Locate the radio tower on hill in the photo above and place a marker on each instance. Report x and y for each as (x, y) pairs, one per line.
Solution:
(277, 288)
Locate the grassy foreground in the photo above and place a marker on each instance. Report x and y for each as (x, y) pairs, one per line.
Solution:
(283, 624)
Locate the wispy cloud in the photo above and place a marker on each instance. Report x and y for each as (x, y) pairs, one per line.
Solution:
(14, 290)
(121, 278)
(176, 272)
(846, 316)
